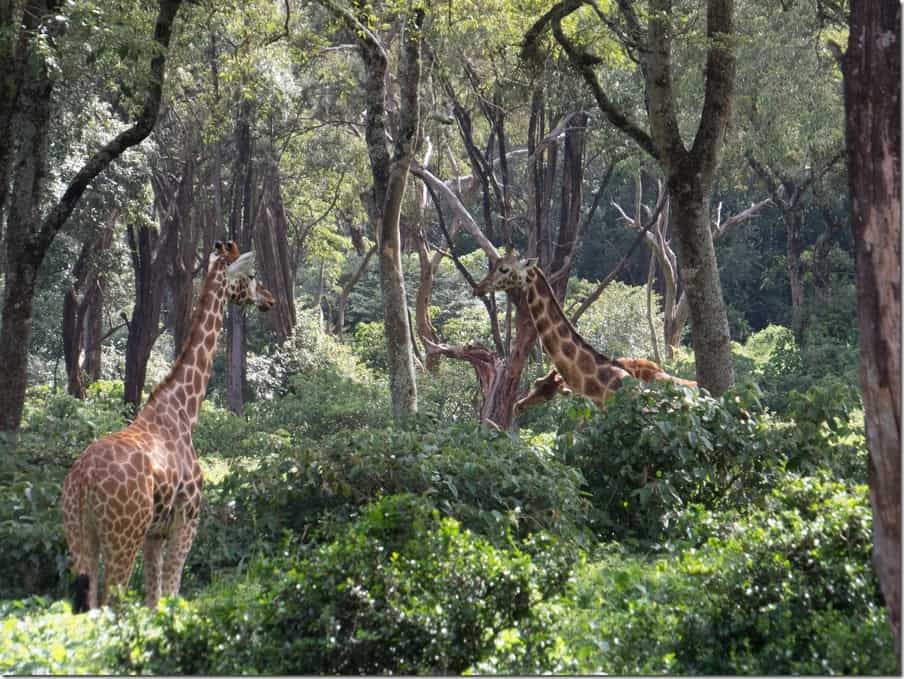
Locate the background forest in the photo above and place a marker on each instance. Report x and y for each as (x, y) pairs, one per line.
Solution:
(373, 503)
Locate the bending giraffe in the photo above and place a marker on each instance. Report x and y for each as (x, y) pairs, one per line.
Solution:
(550, 385)
(141, 487)
(578, 366)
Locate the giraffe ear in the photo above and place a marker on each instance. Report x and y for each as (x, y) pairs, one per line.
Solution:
(243, 266)
(529, 263)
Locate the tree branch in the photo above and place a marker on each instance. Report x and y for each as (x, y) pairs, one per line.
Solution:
(134, 135)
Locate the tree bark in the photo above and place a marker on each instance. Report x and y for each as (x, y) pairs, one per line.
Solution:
(175, 199)
(28, 236)
(240, 230)
(271, 243)
(147, 249)
(872, 94)
(571, 202)
(82, 305)
(402, 383)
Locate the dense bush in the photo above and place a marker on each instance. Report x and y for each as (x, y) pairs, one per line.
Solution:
(782, 368)
(401, 591)
(492, 483)
(657, 448)
(785, 589)
(55, 430)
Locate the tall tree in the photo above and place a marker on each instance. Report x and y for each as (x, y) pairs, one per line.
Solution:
(241, 231)
(872, 95)
(29, 235)
(390, 176)
(690, 170)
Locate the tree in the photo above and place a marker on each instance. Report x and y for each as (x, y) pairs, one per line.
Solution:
(872, 94)
(390, 177)
(82, 307)
(658, 240)
(689, 171)
(27, 121)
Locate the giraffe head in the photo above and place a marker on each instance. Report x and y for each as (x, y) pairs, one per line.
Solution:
(510, 272)
(241, 286)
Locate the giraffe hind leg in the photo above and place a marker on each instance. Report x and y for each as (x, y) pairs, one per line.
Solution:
(178, 546)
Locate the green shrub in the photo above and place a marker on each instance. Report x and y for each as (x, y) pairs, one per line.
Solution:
(782, 368)
(785, 589)
(37, 637)
(308, 349)
(370, 345)
(658, 447)
(489, 481)
(400, 591)
(825, 431)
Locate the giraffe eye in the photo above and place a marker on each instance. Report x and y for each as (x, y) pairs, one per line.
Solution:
(503, 269)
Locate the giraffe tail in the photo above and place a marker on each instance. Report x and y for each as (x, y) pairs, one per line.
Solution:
(78, 534)
(80, 596)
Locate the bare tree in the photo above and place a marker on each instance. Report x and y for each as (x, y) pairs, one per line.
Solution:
(499, 372)
(872, 94)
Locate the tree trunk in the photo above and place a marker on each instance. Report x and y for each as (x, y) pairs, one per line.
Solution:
(176, 199)
(700, 274)
(872, 93)
(240, 231)
(271, 243)
(571, 204)
(499, 401)
(150, 280)
(81, 306)
(28, 236)
(794, 225)
(402, 383)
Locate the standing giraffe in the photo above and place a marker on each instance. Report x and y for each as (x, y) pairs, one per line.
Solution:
(578, 366)
(141, 486)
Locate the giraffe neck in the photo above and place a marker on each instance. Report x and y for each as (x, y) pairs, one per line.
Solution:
(184, 388)
(572, 355)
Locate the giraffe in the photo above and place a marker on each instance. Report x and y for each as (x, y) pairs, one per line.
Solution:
(140, 487)
(578, 366)
(551, 384)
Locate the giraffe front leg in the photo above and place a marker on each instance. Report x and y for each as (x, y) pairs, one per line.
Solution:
(178, 544)
(153, 567)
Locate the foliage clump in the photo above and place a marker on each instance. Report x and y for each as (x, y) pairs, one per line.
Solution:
(786, 588)
(659, 447)
(492, 483)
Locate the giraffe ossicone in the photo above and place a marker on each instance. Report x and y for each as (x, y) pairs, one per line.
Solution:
(578, 366)
(140, 487)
